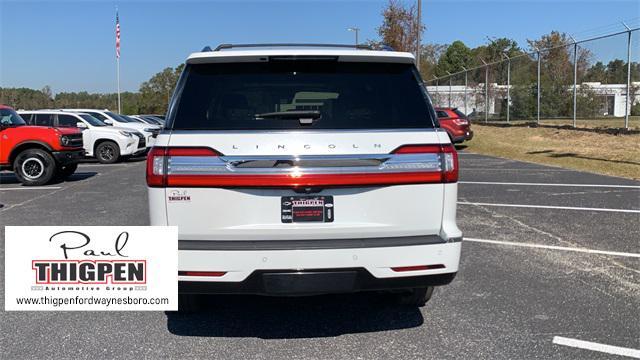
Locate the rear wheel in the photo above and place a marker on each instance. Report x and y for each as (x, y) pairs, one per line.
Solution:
(107, 152)
(66, 171)
(34, 167)
(415, 297)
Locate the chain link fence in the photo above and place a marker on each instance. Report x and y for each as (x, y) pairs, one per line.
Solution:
(592, 82)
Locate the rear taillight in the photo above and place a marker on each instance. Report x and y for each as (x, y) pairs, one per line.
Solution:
(202, 273)
(205, 167)
(155, 166)
(448, 158)
(159, 161)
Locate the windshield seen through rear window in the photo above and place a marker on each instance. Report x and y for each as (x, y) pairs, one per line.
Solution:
(92, 120)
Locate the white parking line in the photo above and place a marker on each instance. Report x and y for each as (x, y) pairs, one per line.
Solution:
(32, 188)
(513, 169)
(103, 165)
(551, 207)
(547, 184)
(553, 247)
(588, 345)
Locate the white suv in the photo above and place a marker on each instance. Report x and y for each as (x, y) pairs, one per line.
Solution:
(111, 118)
(297, 170)
(107, 144)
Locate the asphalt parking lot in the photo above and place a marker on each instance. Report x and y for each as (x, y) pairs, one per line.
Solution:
(550, 256)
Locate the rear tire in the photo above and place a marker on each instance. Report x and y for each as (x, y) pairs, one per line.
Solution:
(107, 152)
(34, 167)
(65, 171)
(415, 297)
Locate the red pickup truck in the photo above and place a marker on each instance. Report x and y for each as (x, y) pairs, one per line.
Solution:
(37, 154)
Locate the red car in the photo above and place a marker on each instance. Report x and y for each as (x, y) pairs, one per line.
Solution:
(37, 154)
(456, 124)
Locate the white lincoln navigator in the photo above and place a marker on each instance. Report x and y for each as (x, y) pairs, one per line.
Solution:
(306, 169)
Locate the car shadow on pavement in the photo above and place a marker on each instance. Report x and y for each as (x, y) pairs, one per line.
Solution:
(553, 154)
(10, 178)
(78, 176)
(137, 158)
(125, 160)
(294, 317)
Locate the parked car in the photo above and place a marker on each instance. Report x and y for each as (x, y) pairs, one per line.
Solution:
(150, 119)
(108, 144)
(138, 119)
(456, 124)
(352, 189)
(111, 118)
(154, 130)
(158, 119)
(37, 154)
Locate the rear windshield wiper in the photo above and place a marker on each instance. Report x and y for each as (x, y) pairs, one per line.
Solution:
(305, 117)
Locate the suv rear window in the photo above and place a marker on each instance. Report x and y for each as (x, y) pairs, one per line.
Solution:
(338, 95)
(67, 121)
(460, 113)
(442, 114)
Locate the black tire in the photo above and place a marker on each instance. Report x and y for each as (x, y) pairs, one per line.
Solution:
(415, 297)
(107, 152)
(34, 167)
(190, 303)
(65, 171)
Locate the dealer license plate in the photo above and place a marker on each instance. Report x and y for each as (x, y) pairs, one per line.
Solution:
(307, 209)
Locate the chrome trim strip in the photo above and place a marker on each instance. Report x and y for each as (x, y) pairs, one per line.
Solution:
(304, 164)
(303, 131)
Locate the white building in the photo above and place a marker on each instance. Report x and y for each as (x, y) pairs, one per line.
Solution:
(613, 105)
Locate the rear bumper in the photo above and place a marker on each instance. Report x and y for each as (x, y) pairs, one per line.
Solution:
(462, 136)
(68, 157)
(312, 282)
(306, 269)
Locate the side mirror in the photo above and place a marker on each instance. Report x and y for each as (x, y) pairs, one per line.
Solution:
(81, 125)
(108, 122)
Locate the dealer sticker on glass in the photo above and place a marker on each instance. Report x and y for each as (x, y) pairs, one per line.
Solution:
(91, 268)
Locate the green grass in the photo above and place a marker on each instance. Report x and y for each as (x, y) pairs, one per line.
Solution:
(607, 122)
(616, 155)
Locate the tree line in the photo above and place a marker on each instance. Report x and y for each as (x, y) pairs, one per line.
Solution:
(152, 97)
(399, 30)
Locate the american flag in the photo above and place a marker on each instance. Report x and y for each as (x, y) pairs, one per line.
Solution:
(117, 35)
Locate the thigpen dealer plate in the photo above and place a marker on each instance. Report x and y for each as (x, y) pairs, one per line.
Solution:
(307, 209)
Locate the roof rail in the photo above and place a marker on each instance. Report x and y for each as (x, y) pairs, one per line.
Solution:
(233, 46)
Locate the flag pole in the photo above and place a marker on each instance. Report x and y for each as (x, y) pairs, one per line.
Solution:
(118, 75)
(118, 58)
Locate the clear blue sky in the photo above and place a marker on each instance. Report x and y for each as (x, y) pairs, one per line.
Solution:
(70, 45)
